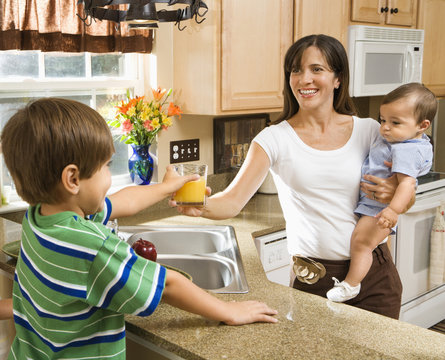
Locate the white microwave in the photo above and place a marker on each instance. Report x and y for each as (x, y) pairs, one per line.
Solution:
(383, 58)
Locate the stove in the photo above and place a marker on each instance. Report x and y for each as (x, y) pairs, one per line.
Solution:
(420, 255)
(430, 181)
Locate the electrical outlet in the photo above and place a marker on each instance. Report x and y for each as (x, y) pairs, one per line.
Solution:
(184, 150)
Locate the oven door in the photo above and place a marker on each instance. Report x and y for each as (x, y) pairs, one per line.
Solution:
(413, 244)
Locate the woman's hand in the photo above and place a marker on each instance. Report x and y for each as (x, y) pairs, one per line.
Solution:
(381, 190)
(189, 210)
(229, 202)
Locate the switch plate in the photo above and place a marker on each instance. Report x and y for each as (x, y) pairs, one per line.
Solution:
(184, 150)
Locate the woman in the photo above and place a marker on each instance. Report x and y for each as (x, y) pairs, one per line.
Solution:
(315, 151)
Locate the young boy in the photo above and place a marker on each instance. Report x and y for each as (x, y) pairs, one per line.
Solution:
(74, 278)
(405, 114)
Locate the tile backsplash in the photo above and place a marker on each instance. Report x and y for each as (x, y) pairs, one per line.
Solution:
(231, 139)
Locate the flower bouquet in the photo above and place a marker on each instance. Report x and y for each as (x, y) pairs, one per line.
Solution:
(138, 122)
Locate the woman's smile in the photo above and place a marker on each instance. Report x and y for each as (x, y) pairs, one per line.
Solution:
(308, 92)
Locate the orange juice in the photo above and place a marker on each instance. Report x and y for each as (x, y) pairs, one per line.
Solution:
(192, 193)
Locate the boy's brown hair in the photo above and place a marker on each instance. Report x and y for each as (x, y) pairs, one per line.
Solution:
(425, 105)
(41, 139)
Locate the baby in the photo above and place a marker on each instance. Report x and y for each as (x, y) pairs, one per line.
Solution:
(405, 114)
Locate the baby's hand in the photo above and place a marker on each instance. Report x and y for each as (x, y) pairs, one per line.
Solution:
(246, 312)
(387, 218)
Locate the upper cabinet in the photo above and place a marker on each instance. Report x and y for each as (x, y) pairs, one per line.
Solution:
(385, 12)
(431, 20)
(233, 61)
(321, 17)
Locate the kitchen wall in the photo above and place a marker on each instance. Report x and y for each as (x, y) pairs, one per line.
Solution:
(189, 126)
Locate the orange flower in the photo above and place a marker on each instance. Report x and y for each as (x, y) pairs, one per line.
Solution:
(134, 101)
(124, 108)
(159, 93)
(174, 110)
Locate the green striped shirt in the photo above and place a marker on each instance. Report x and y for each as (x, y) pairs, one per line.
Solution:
(74, 280)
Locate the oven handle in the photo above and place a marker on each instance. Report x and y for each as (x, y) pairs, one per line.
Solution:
(426, 206)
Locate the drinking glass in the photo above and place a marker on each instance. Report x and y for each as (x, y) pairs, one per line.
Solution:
(193, 192)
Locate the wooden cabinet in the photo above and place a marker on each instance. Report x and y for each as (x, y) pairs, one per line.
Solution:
(385, 12)
(431, 14)
(233, 61)
(321, 17)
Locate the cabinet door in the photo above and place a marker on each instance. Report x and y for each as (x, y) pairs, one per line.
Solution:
(368, 11)
(402, 12)
(252, 52)
(331, 18)
(431, 20)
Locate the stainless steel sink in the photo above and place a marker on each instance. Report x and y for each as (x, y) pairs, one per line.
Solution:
(185, 241)
(209, 254)
(207, 272)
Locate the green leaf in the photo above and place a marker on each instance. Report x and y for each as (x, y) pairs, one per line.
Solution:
(114, 123)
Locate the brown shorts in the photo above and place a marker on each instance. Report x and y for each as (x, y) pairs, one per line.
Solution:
(381, 289)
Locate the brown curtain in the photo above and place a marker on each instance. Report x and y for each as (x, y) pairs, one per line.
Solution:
(53, 25)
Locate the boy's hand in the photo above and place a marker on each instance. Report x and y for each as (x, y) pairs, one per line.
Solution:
(173, 181)
(247, 312)
(183, 294)
(387, 218)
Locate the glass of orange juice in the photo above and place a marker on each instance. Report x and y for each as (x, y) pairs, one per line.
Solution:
(193, 192)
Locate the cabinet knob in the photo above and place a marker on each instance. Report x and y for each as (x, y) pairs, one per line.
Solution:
(394, 11)
(384, 9)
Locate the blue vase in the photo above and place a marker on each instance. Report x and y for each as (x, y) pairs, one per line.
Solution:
(140, 165)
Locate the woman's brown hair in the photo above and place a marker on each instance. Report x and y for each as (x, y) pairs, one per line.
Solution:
(336, 58)
(41, 139)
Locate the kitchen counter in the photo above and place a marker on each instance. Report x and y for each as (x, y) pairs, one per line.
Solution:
(309, 326)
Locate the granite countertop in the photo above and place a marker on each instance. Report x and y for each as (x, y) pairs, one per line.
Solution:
(309, 326)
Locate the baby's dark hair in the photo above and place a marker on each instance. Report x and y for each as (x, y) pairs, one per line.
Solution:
(425, 105)
(45, 136)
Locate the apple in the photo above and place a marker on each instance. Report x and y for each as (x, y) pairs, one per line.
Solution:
(145, 249)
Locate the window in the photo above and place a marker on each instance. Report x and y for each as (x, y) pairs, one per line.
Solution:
(98, 80)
